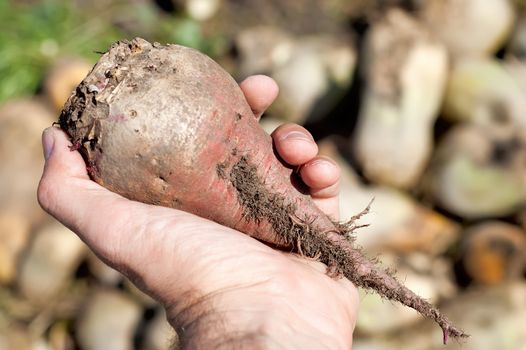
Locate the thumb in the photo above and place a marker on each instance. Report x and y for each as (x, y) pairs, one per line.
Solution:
(55, 145)
(101, 218)
(142, 241)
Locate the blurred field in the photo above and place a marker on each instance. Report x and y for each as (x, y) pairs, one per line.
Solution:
(423, 103)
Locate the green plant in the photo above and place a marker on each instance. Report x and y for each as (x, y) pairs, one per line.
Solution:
(34, 35)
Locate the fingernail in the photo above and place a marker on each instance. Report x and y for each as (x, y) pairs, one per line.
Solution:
(324, 162)
(48, 142)
(296, 135)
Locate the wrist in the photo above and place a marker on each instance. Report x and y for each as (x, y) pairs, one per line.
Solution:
(255, 318)
(220, 320)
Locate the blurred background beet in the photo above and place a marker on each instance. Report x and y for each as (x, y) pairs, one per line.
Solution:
(422, 102)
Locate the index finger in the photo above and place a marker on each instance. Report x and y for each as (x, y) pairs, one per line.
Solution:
(260, 91)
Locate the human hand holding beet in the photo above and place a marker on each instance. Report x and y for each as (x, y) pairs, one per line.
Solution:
(219, 286)
(166, 125)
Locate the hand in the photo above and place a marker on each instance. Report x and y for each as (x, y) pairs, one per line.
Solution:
(220, 287)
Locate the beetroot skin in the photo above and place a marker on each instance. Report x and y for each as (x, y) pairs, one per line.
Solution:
(166, 125)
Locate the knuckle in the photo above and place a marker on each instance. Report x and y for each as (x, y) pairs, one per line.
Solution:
(286, 128)
(47, 194)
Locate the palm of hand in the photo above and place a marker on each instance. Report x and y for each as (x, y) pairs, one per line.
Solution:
(204, 273)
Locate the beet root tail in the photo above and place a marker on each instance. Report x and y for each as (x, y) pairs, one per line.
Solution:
(301, 225)
(366, 274)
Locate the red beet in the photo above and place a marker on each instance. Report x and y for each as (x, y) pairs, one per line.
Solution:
(166, 125)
